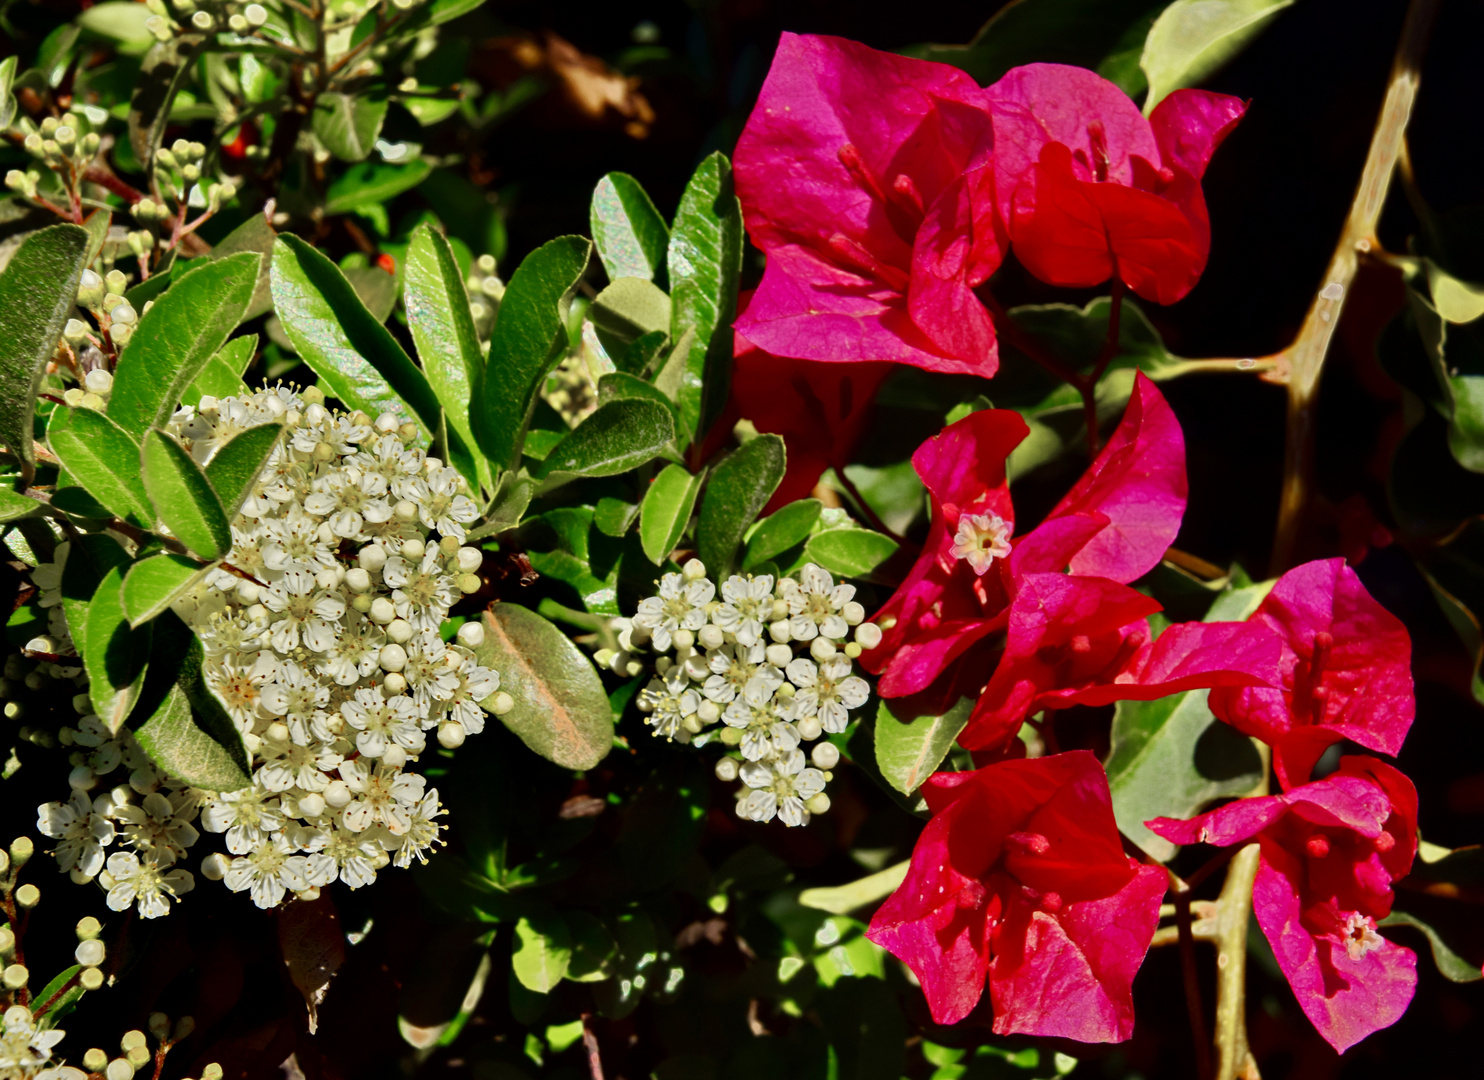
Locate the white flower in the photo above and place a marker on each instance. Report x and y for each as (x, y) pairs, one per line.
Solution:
(814, 604)
(106, 751)
(160, 828)
(348, 855)
(421, 835)
(422, 593)
(431, 671)
(764, 720)
(733, 667)
(268, 872)
(305, 608)
(680, 605)
(294, 693)
(239, 680)
(380, 721)
(25, 1048)
(296, 761)
(249, 817)
(142, 882)
(747, 607)
(352, 655)
(671, 704)
(981, 539)
(781, 787)
(84, 832)
(441, 506)
(827, 690)
(385, 796)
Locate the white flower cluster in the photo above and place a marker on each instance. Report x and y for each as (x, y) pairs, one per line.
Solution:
(322, 642)
(26, 1048)
(767, 659)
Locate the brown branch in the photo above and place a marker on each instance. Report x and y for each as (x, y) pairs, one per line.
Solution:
(1234, 1059)
(68, 985)
(590, 1042)
(1305, 357)
(1191, 977)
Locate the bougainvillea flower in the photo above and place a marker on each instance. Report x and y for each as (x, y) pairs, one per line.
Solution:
(1019, 879)
(867, 179)
(1330, 852)
(1089, 188)
(1064, 634)
(820, 409)
(1345, 672)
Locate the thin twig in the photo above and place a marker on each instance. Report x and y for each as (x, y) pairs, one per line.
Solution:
(1305, 357)
(1087, 386)
(865, 507)
(1181, 891)
(590, 1042)
(1233, 1059)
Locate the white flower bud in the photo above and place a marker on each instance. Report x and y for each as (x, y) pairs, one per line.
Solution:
(90, 953)
(214, 866)
(248, 593)
(27, 896)
(119, 1069)
(726, 769)
(337, 793)
(387, 423)
(821, 648)
(825, 755)
(98, 381)
(255, 14)
(503, 703)
(413, 549)
(312, 805)
(868, 634)
(819, 804)
(683, 640)
(471, 635)
(709, 711)
(91, 979)
(809, 728)
(90, 289)
(693, 570)
(372, 558)
(400, 631)
(120, 333)
(779, 631)
(88, 928)
(357, 580)
(393, 685)
(76, 332)
(451, 734)
(711, 636)
(117, 281)
(405, 511)
(392, 657)
(382, 611)
(779, 655)
(470, 559)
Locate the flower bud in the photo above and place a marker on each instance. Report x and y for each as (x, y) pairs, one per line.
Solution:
(469, 584)
(809, 727)
(693, 570)
(90, 289)
(33, 144)
(95, 1060)
(451, 734)
(730, 736)
(255, 14)
(400, 632)
(116, 281)
(90, 953)
(683, 640)
(88, 928)
(822, 648)
(779, 631)
(7, 941)
(15, 976)
(372, 557)
(159, 1026)
(183, 1028)
(471, 635)
(382, 611)
(709, 711)
(779, 655)
(139, 1056)
(202, 21)
(392, 657)
(470, 559)
(91, 978)
(825, 755)
(214, 866)
(503, 703)
(120, 333)
(394, 684)
(819, 804)
(76, 331)
(337, 793)
(361, 603)
(868, 634)
(405, 511)
(21, 850)
(394, 756)
(98, 381)
(726, 769)
(27, 896)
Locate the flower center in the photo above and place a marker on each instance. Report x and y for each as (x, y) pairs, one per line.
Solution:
(1360, 935)
(981, 539)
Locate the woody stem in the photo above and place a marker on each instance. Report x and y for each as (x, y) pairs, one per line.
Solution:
(1234, 1059)
(1087, 385)
(1192, 981)
(1305, 357)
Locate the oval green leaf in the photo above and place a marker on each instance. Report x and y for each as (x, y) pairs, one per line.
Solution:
(739, 488)
(1192, 38)
(238, 463)
(561, 711)
(850, 552)
(542, 950)
(630, 234)
(780, 531)
(153, 584)
(103, 458)
(909, 749)
(666, 510)
(619, 436)
(183, 499)
(114, 653)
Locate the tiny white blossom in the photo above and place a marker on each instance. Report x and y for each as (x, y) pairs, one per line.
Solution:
(84, 832)
(142, 882)
(981, 539)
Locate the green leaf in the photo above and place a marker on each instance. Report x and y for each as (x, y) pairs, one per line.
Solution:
(1457, 301)
(61, 1001)
(739, 488)
(114, 654)
(512, 499)
(237, 464)
(1081, 32)
(253, 235)
(348, 124)
(14, 505)
(153, 584)
(529, 336)
(1192, 38)
(117, 20)
(592, 948)
(37, 290)
(188, 734)
(612, 517)
(619, 436)
(705, 261)
(850, 552)
(630, 235)
(1456, 357)
(368, 184)
(872, 889)
(627, 310)
(165, 67)
(781, 530)
(89, 559)
(561, 711)
(1451, 966)
(620, 386)
(183, 499)
(97, 224)
(375, 288)
(103, 458)
(358, 359)
(909, 749)
(176, 339)
(443, 330)
(7, 98)
(666, 510)
(222, 375)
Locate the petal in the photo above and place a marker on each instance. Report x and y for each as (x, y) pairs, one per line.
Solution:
(1189, 125)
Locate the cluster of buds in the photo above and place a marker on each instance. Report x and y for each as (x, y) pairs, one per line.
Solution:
(135, 1053)
(171, 17)
(182, 185)
(64, 145)
(770, 661)
(102, 297)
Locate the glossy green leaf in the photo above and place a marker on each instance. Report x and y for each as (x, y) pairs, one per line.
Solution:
(1192, 38)
(627, 310)
(705, 262)
(180, 746)
(619, 436)
(1081, 32)
(619, 386)
(375, 288)
(238, 463)
(909, 749)
(349, 124)
(561, 711)
(443, 330)
(176, 339)
(666, 510)
(97, 224)
(114, 653)
(103, 458)
(369, 183)
(62, 993)
(781, 530)
(512, 498)
(183, 499)
(254, 235)
(153, 584)
(1451, 966)
(222, 375)
(90, 557)
(612, 517)
(738, 490)
(356, 357)
(869, 890)
(630, 235)
(850, 552)
(37, 291)
(529, 336)
(14, 505)
(1456, 300)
